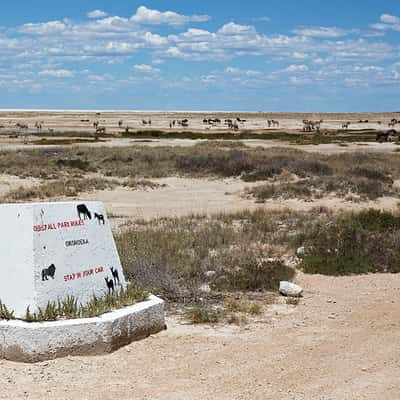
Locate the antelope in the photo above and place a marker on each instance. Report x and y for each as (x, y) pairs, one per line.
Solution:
(309, 126)
(346, 125)
(21, 126)
(273, 123)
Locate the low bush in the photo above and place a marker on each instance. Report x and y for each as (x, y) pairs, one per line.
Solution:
(367, 242)
(244, 270)
(245, 307)
(343, 174)
(203, 315)
(68, 187)
(172, 256)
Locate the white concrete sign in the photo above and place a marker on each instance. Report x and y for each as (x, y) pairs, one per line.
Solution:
(49, 251)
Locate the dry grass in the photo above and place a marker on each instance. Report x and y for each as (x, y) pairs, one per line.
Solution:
(289, 173)
(140, 184)
(71, 309)
(203, 315)
(352, 243)
(63, 142)
(249, 252)
(68, 187)
(174, 257)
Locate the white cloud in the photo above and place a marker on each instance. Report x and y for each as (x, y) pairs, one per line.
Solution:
(100, 78)
(154, 39)
(209, 79)
(388, 22)
(299, 56)
(148, 16)
(390, 19)
(57, 73)
(322, 32)
(48, 48)
(235, 29)
(297, 68)
(97, 14)
(238, 71)
(148, 69)
(158, 61)
(44, 28)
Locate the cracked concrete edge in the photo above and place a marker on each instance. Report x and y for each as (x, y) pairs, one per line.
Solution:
(39, 341)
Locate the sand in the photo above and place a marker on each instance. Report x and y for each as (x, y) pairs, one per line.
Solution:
(340, 343)
(185, 196)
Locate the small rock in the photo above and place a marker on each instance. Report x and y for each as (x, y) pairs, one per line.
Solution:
(210, 274)
(290, 289)
(205, 288)
(301, 251)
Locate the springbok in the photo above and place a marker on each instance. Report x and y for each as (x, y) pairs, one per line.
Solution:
(346, 125)
(273, 123)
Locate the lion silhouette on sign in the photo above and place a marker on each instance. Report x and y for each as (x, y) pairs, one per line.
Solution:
(48, 272)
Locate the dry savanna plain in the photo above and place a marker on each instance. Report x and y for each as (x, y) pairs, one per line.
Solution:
(211, 211)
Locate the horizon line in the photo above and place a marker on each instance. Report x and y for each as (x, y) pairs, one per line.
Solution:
(186, 111)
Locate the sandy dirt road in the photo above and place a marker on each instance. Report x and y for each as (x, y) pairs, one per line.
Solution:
(342, 342)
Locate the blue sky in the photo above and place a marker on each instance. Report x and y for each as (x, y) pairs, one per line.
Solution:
(286, 55)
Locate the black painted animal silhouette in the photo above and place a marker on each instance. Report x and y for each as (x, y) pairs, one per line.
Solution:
(82, 209)
(48, 272)
(110, 285)
(100, 218)
(115, 276)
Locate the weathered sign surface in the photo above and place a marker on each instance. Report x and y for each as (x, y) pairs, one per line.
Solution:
(53, 250)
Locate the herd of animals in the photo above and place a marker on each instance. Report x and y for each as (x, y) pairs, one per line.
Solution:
(234, 124)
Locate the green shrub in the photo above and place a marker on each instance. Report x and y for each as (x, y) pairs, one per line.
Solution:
(355, 243)
(69, 308)
(243, 270)
(376, 220)
(5, 313)
(202, 315)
